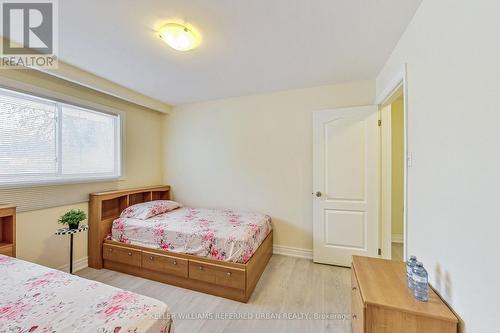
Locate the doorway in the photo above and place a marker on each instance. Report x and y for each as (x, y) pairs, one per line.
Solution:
(354, 202)
(393, 175)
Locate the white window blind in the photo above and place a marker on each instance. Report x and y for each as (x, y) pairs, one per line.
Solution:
(27, 136)
(44, 141)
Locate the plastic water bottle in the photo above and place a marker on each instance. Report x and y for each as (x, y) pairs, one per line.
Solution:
(420, 282)
(409, 271)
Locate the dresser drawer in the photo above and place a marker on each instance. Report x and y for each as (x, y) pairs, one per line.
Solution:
(202, 271)
(230, 277)
(6, 250)
(165, 264)
(357, 306)
(122, 255)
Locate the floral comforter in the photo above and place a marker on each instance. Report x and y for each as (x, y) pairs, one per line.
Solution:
(35, 298)
(225, 235)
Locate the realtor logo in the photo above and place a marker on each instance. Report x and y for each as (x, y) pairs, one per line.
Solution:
(29, 30)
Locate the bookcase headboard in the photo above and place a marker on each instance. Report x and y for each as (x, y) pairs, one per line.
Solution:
(105, 207)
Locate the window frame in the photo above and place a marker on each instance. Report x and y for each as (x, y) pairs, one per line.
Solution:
(58, 178)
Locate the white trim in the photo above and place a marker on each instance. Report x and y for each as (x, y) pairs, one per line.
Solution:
(78, 265)
(291, 251)
(54, 96)
(397, 238)
(400, 79)
(385, 180)
(80, 77)
(391, 87)
(407, 155)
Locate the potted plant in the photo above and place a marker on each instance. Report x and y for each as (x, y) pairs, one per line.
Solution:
(73, 218)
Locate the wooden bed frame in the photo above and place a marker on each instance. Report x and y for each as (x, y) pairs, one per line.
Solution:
(226, 279)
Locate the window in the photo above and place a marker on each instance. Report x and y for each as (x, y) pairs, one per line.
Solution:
(44, 141)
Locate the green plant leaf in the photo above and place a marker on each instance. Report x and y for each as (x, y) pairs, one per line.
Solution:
(74, 216)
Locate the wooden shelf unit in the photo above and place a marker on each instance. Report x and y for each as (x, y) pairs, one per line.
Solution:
(8, 230)
(381, 302)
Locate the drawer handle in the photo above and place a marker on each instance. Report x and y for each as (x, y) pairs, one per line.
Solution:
(200, 268)
(174, 262)
(151, 258)
(130, 253)
(354, 288)
(110, 250)
(228, 273)
(354, 316)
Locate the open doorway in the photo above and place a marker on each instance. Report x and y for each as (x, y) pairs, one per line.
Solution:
(393, 175)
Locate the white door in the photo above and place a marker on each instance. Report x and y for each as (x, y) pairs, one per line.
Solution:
(346, 184)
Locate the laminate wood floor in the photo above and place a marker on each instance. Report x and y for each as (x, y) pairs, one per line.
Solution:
(397, 251)
(290, 287)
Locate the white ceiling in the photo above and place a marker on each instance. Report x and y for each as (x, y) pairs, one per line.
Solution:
(248, 46)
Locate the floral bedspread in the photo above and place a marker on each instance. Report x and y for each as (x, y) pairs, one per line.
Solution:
(35, 298)
(223, 234)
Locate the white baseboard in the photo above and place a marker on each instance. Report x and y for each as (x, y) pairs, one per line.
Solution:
(292, 251)
(78, 265)
(397, 238)
(277, 249)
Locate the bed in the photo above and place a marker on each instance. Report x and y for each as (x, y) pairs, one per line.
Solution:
(35, 298)
(221, 252)
(221, 234)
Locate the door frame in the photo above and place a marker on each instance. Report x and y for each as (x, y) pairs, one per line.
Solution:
(398, 81)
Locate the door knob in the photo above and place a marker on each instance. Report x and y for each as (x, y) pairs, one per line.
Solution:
(318, 194)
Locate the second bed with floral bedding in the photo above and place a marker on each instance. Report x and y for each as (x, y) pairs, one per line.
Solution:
(220, 234)
(35, 298)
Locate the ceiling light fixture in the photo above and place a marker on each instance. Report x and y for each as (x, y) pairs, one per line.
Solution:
(179, 37)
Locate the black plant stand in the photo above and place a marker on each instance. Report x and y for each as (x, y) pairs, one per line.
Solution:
(71, 232)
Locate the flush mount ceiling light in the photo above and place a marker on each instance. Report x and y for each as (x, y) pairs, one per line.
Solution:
(179, 37)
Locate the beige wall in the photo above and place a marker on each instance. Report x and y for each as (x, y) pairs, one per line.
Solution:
(254, 153)
(36, 241)
(397, 168)
(452, 52)
(143, 166)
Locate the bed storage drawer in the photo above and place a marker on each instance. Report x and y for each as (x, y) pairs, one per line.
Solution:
(6, 250)
(122, 255)
(230, 277)
(220, 275)
(202, 271)
(165, 264)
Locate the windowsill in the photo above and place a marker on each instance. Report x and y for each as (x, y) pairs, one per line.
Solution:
(66, 181)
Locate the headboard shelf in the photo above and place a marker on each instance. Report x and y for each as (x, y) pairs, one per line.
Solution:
(104, 207)
(136, 198)
(111, 208)
(160, 195)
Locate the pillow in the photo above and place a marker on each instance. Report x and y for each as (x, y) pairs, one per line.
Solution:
(149, 209)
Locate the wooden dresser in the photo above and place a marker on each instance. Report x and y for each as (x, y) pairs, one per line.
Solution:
(8, 230)
(381, 302)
